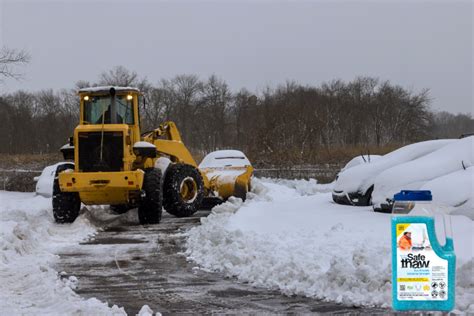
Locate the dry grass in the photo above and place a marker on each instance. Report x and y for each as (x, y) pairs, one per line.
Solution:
(286, 158)
(326, 162)
(28, 161)
(23, 181)
(316, 156)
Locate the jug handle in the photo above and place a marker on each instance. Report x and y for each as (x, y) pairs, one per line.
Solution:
(448, 245)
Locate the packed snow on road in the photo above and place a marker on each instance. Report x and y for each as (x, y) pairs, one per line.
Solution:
(291, 236)
(30, 240)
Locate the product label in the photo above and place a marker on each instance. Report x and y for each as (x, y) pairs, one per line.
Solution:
(421, 274)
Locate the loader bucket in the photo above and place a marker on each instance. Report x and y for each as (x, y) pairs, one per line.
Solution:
(228, 172)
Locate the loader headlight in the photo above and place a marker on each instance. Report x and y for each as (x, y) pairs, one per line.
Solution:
(86, 98)
(129, 97)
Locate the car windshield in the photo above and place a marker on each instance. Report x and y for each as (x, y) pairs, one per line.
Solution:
(97, 110)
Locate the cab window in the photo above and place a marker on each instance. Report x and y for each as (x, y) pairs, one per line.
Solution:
(97, 110)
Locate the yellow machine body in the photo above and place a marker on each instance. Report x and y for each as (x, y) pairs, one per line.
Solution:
(124, 185)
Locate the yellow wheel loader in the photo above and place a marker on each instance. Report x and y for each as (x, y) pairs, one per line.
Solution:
(115, 164)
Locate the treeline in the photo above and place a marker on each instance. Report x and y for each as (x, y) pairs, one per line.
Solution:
(290, 123)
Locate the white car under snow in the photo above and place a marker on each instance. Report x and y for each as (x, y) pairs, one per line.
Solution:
(44, 182)
(354, 186)
(447, 172)
(443, 166)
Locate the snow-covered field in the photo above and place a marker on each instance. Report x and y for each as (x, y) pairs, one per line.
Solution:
(290, 236)
(29, 239)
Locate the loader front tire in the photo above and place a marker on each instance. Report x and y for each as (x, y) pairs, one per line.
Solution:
(151, 205)
(66, 205)
(183, 190)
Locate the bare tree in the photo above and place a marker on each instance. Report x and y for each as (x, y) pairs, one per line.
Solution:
(119, 76)
(289, 124)
(9, 59)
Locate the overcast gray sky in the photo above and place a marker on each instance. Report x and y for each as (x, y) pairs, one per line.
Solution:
(249, 44)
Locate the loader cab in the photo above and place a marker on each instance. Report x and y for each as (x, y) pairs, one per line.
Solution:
(109, 105)
(108, 128)
(98, 109)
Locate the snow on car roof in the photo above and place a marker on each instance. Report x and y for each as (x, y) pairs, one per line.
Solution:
(226, 153)
(361, 159)
(107, 89)
(223, 158)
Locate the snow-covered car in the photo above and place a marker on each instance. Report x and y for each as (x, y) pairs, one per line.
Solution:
(230, 169)
(354, 185)
(44, 182)
(447, 172)
(455, 189)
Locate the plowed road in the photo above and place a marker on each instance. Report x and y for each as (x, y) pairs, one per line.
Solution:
(131, 265)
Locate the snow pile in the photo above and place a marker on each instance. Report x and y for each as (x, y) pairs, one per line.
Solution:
(147, 311)
(361, 177)
(307, 245)
(29, 240)
(301, 186)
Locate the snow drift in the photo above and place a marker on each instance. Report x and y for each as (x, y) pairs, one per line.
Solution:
(29, 240)
(307, 245)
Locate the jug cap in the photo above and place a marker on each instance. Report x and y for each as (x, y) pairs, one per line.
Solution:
(413, 195)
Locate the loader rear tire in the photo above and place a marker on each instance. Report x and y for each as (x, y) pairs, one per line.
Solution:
(183, 190)
(151, 206)
(66, 205)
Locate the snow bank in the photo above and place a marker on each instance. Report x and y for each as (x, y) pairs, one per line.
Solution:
(301, 186)
(29, 240)
(361, 177)
(147, 311)
(307, 245)
(418, 173)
